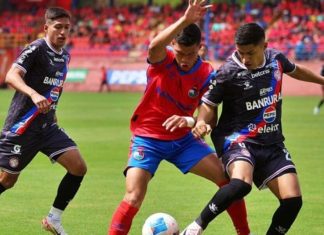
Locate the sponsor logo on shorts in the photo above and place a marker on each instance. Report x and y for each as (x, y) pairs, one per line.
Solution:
(13, 162)
(193, 92)
(55, 93)
(16, 149)
(138, 154)
(269, 114)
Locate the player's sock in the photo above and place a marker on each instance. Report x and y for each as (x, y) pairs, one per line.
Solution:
(320, 103)
(55, 214)
(67, 190)
(236, 189)
(122, 219)
(2, 189)
(285, 215)
(238, 214)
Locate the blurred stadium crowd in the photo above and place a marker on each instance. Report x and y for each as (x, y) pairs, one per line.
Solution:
(295, 27)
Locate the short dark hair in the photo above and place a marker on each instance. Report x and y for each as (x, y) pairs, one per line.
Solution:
(250, 33)
(54, 13)
(189, 36)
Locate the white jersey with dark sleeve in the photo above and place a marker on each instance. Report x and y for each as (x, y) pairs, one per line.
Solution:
(251, 100)
(45, 71)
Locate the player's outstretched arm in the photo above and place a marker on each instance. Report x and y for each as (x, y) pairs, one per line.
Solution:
(14, 78)
(195, 11)
(304, 74)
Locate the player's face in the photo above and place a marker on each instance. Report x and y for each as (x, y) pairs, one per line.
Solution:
(186, 56)
(252, 56)
(57, 31)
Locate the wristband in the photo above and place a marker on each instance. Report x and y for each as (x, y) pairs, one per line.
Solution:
(190, 121)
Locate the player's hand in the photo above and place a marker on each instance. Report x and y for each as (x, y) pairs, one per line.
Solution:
(201, 129)
(42, 104)
(174, 122)
(196, 10)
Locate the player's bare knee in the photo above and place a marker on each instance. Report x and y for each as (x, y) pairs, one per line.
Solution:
(79, 168)
(8, 182)
(134, 198)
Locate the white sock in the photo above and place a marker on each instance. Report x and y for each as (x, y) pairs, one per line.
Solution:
(55, 214)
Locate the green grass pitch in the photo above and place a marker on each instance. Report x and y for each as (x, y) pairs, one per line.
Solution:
(99, 123)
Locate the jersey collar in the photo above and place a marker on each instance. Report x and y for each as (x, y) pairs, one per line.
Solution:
(52, 48)
(193, 69)
(237, 60)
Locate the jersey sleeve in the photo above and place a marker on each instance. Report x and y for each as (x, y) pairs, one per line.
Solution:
(167, 60)
(214, 95)
(27, 57)
(286, 64)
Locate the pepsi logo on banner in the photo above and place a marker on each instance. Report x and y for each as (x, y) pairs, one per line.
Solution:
(269, 114)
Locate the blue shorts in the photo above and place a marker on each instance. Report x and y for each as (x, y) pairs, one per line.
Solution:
(185, 153)
(16, 151)
(269, 161)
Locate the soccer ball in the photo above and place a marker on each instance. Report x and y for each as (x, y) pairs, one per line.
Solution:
(160, 224)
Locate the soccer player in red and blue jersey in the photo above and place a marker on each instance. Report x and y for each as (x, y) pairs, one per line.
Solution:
(31, 126)
(176, 80)
(249, 135)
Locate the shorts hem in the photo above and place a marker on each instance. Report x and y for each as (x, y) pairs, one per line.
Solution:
(9, 171)
(54, 156)
(275, 175)
(128, 167)
(238, 159)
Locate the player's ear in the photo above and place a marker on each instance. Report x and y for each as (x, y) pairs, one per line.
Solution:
(265, 45)
(45, 28)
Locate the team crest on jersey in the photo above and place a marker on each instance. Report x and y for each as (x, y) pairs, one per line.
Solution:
(269, 114)
(55, 93)
(277, 75)
(138, 154)
(193, 92)
(13, 162)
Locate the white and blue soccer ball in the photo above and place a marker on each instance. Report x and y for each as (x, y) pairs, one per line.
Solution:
(160, 224)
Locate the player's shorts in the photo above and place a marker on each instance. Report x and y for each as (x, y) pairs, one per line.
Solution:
(185, 153)
(269, 162)
(16, 151)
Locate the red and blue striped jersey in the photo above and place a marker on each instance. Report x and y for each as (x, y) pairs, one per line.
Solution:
(169, 91)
